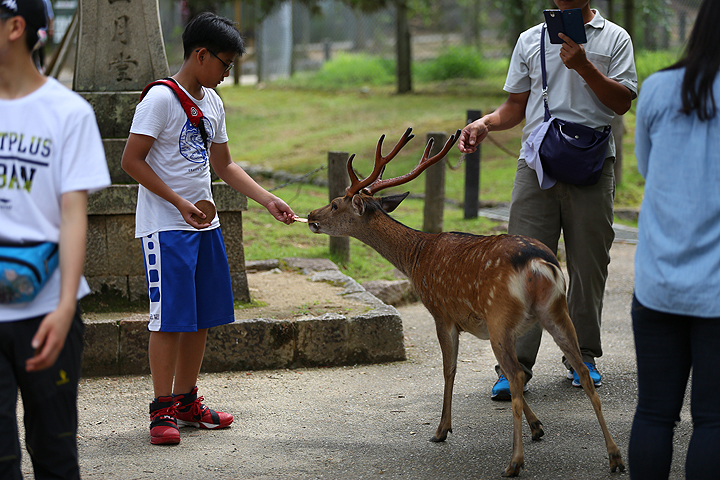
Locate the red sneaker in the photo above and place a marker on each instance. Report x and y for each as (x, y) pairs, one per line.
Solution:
(192, 413)
(163, 422)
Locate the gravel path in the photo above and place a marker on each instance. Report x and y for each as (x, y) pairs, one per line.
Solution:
(374, 421)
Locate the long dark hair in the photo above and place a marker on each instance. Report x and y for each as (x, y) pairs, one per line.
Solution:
(701, 61)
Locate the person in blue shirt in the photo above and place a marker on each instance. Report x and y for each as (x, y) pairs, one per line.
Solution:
(676, 306)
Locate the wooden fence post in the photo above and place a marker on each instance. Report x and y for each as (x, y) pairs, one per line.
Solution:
(435, 187)
(338, 181)
(471, 205)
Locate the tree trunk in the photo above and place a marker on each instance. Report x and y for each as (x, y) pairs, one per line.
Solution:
(404, 54)
(629, 17)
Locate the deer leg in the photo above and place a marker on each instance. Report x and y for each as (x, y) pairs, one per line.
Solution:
(449, 339)
(561, 328)
(506, 357)
(533, 421)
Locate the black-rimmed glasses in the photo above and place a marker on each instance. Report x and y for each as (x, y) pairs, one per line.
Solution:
(228, 66)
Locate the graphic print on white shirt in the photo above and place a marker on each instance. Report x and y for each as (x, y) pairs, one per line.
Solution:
(191, 142)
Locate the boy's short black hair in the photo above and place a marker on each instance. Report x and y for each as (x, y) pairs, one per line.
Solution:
(34, 13)
(217, 34)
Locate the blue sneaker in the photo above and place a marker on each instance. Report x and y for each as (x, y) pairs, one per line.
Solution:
(501, 389)
(594, 375)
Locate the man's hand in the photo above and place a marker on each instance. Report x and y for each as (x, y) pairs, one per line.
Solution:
(472, 135)
(572, 55)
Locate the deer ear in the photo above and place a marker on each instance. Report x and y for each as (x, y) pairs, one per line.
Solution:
(391, 202)
(358, 205)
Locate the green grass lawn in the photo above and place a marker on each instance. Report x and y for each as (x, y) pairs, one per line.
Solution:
(293, 124)
(294, 129)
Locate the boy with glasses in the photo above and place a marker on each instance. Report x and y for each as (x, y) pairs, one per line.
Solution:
(185, 260)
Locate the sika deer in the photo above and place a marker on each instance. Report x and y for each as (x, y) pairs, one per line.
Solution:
(494, 287)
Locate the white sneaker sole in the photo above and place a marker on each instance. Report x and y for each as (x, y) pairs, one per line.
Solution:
(209, 426)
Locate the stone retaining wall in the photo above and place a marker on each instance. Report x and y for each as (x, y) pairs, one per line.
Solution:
(119, 347)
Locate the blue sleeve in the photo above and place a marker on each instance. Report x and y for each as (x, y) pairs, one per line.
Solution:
(642, 132)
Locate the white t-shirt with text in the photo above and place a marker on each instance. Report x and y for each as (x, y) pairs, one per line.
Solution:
(49, 145)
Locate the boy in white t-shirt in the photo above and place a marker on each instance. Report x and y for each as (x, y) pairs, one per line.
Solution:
(185, 260)
(51, 155)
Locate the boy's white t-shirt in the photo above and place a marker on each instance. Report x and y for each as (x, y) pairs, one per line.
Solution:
(177, 156)
(49, 145)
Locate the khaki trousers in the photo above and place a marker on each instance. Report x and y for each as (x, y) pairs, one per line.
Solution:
(585, 217)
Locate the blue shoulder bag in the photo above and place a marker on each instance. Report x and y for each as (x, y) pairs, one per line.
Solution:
(570, 152)
(24, 270)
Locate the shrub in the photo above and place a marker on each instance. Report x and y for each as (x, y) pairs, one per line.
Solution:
(455, 62)
(353, 70)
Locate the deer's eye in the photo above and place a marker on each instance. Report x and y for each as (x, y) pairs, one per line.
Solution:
(333, 206)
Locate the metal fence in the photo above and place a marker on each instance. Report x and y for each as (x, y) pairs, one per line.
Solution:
(484, 24)
(292, 39)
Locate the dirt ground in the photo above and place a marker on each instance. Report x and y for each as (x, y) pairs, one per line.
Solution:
(283, 294)
(276, 294)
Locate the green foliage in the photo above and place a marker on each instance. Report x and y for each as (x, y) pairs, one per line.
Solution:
(519, 15)
(455, 62)
(648, 62)
(354, 70)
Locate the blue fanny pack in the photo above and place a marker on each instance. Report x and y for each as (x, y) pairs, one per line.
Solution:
(24, 270)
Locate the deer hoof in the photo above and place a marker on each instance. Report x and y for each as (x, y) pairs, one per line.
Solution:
(616, 463)
(537, 430)
(513, 470)
(441, 437)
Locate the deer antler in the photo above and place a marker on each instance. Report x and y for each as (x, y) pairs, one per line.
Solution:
(380, 162)
(424, 163)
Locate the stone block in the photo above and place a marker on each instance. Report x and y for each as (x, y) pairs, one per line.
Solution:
(114, 111)
(133, 351)
(119, 47)
(114, 200)
(100, 356)
(309, 265)
(376, 337)
(228, 199)
(96, 249)
(240, 287)
(321, 340)
(114, 148)
(255, 344)
(392, 292)
(124, 251)
(261, 265)
(231, 225)
(137, 288)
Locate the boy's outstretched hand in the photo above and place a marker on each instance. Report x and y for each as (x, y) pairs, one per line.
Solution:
(281, 211)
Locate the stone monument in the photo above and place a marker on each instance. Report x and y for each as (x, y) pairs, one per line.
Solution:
(120, 49)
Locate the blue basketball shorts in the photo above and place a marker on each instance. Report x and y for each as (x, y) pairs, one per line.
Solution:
(188, 280)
